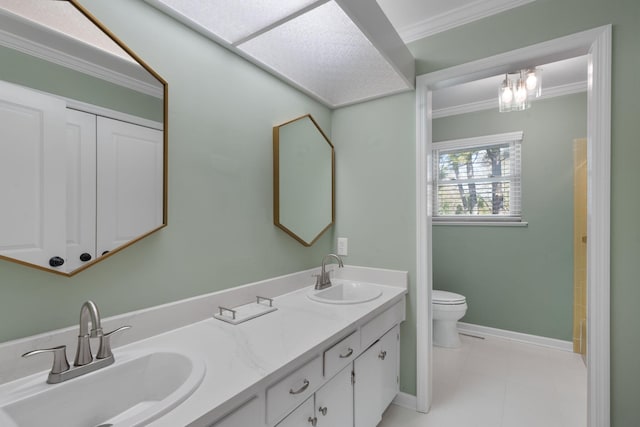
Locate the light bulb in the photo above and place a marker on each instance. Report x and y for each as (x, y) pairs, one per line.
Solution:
(532, 81)
(507, 95)
(521, 93)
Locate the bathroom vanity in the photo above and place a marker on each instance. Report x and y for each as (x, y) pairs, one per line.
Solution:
(306, 363)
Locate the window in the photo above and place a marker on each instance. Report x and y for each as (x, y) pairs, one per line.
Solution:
(477, 179)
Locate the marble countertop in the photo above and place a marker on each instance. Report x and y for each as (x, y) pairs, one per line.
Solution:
(242, 358)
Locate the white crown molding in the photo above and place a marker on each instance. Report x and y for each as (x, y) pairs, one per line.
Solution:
(35, 40)
(455, 17)
(489, 104)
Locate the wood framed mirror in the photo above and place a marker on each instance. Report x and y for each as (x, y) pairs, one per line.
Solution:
(303, 179)
(83, 155)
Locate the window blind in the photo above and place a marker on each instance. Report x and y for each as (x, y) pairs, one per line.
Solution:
(478, 179)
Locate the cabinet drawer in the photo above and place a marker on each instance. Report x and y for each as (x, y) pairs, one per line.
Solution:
(293, 389)
(341, 354)
(378, 326)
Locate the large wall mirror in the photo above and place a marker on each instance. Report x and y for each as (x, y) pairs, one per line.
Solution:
(303, 175)
(83, 148)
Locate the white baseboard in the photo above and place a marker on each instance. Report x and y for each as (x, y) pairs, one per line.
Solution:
(468, 328)
(405, 400)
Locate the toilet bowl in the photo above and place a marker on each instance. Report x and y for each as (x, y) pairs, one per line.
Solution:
(448, 308)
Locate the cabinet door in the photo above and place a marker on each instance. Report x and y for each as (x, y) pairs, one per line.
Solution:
(334, 401)
(81, 188)
(376, 374)
(368, 382)
(32, 173)
(389, 363)
(250, 414)
(130, 182)
(303, 416)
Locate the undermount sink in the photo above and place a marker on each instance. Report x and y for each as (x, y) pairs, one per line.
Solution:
(346, 292)
(138, 388)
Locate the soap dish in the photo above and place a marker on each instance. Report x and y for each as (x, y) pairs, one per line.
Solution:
(245, 312)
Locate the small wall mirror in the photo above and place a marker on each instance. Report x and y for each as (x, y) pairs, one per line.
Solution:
(303, 175)
(83, 144)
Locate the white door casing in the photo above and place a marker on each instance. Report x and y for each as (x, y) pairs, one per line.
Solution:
(597, 44)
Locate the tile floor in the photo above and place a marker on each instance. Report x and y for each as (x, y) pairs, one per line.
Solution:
(501, 383)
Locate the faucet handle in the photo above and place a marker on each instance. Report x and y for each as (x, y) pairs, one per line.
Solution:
(104, 351)
(60, 363)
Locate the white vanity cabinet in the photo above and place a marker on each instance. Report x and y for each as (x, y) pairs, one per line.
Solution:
(376, 379)
(130, 187)
(32, 173)
(330, 406)
(365, 384)
(75, 185)
(80, 188)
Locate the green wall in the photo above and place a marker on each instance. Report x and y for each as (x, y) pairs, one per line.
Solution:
(20, 68)
(220, 233)
(375, 197)
(533, 23)
(519, 278)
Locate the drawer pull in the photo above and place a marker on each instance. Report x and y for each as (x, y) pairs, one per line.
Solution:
(382, 355)
(313, 421)
(348, 354)
(301, 389)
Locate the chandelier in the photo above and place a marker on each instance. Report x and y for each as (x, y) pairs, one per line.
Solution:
(518, 89)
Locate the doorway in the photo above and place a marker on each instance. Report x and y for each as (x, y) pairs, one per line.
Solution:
(597, 44)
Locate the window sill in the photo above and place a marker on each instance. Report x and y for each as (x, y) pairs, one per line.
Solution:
(484, 223)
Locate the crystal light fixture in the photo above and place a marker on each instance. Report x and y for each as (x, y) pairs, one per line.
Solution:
(518, 89)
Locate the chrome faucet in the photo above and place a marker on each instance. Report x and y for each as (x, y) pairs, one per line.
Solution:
(323, 280)
(83, 353)
(84, 361)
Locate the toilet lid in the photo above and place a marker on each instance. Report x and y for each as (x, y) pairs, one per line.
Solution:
(444, 297)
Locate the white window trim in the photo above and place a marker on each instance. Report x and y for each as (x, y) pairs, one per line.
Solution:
(482, 220)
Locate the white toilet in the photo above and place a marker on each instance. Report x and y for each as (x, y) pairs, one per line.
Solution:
(448, 308)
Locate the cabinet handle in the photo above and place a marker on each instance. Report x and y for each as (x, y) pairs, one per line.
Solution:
(313, 421)
(56, 261)
(85, 257)
(382, 355)
(348, 354)
(301, 389)
(323, 410)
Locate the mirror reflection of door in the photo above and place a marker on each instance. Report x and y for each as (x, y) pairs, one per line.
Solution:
(82, 146)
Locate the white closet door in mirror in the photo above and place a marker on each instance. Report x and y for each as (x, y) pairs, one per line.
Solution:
(32, 173)
(81, 188)
(129, 182)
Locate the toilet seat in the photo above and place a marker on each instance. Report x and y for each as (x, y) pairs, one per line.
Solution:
(447, 298)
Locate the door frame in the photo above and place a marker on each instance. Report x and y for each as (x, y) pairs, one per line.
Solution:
(596, 43)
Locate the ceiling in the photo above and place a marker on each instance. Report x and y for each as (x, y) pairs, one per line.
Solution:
(412, 19)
